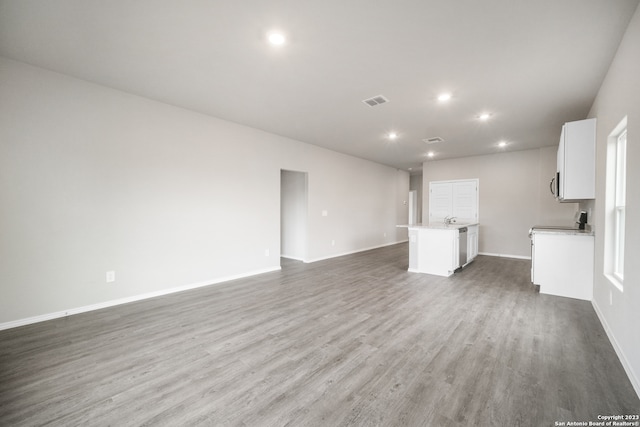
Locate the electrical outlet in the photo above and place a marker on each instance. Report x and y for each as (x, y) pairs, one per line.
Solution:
(325, 213)
(266, 252)
(333, 243)
(384, 234)
(111, 276)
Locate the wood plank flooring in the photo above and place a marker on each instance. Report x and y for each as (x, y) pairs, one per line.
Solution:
(352, 341)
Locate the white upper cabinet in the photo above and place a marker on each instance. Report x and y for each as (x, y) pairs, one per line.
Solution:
(453, 198)
(576, 178)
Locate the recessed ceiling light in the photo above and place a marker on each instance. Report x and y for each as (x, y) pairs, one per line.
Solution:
(444, 97)
(484, 116)
(431, 154)
(502, 144)
(276, 38)
(392, 135)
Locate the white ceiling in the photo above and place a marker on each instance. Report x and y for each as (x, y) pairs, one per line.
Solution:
(533, 64)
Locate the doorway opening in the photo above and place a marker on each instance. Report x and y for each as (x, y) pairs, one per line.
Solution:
(293, 214)
(413, 207)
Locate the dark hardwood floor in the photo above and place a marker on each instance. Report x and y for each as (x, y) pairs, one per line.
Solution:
(355, 340)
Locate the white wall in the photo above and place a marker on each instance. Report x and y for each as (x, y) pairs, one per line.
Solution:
(619, 96)
(293, 219)
(513, 196)
(93, 179)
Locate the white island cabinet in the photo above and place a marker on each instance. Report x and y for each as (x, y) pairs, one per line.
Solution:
(472, 242)
(435, 248)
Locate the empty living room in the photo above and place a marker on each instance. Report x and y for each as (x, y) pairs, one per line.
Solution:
(319, 213)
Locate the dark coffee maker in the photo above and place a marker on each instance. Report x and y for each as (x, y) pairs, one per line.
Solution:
(581, 219)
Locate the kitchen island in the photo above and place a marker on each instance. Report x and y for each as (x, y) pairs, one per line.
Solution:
(435, 248)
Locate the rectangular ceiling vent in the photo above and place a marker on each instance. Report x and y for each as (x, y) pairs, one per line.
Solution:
(376, 100)
(433, 140)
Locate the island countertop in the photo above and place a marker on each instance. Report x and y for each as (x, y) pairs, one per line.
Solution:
(438, 225)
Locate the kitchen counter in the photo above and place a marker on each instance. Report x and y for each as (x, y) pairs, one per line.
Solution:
(541, 229)
(562, 262)
(566, 232)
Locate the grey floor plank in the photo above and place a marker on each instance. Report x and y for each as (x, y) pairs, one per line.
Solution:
(351, 341)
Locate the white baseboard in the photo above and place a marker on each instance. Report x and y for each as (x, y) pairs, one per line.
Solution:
(106, 304)
(291, 257)
(504, 255)
(635, 380)
(355, 252)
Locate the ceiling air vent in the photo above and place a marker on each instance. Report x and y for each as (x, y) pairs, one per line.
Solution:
(433, 140)
(376, 100)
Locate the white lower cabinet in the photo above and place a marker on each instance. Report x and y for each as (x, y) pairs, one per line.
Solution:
(472, 242)
(562, 264)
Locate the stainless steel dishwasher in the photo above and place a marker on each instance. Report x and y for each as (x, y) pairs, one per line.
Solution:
(462, 244)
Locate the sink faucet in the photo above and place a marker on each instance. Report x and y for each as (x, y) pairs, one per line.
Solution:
(449, 219)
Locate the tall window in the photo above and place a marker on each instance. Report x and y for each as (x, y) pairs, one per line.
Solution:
(619, 205)
(615, 201)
